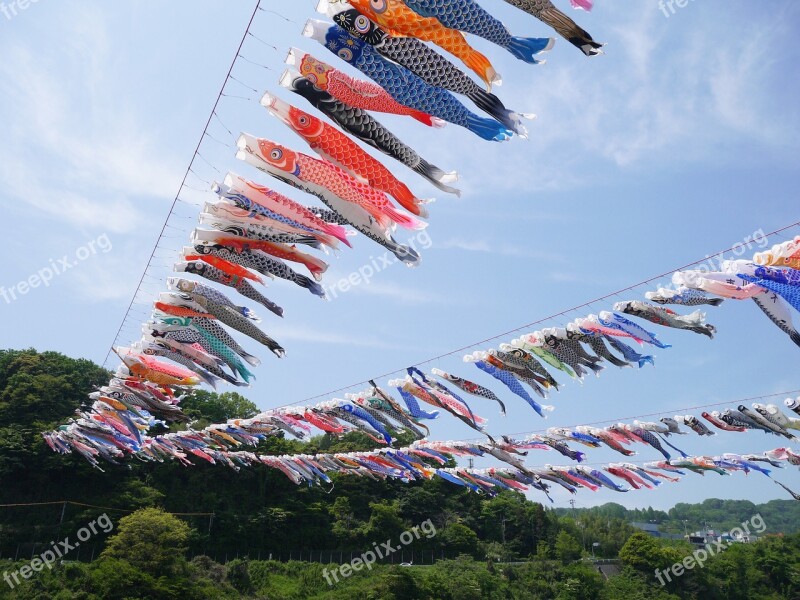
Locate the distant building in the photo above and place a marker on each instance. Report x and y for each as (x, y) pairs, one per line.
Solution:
(652, 529)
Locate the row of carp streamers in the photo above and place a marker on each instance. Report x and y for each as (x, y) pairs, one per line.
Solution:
(253, 232)
(375, 412)
(112, 434)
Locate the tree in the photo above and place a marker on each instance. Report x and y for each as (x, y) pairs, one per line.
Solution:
(151, 540)
(459, 539)
(218, 408)
(567, 547)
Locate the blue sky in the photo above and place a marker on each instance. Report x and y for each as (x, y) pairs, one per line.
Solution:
(678, 142)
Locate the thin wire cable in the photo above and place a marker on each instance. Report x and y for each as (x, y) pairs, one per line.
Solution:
(186, 175)
(534, 323)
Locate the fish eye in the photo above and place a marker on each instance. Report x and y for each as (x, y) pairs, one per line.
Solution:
(276, 154)
(303, 121)
(345, 54)
(362, 24)
(379, 6)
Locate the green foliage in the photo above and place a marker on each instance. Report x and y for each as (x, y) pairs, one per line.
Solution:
(460, 539)
(217, 408)
(567, 548)
(495, 548)
(150, 540)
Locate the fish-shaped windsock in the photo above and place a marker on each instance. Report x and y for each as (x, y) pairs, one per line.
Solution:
(511, 383)
(596, 343)
(794, 495)
(355, 92)
(629, 353)
(430, 66)
(192, 287)
(789, 292)
(240, 239)
(262, 201)
(344, 186)
(777, 310)
(364, 127)
(241, 285)
(470, 388)
(682, 296)
(399, 19)
(343, 152)
(663, 316)
(610, 319)
(786, 254)
(547, 13)
(250, 256)
(156, 371)
(285, 166)
(402, 84)
(785, 276)
(467, 15)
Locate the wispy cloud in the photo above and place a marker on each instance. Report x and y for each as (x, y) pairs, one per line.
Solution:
(497, 249)
(75, 149)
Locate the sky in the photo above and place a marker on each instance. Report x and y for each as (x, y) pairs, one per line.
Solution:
(681, 140)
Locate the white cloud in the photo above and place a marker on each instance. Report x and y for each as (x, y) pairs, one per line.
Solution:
(74, 149)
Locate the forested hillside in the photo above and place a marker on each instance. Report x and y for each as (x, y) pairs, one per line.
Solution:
(238, 521)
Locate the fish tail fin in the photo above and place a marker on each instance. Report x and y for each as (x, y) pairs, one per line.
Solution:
(493, 106)
(251, 360)
(426, 119)
(310, 285)
(481, 65)
(715, 301)
(571, 31)
(526, 49)
(580, 456)
(708, 330)
(616, 361)
(246, 312)
(404, 220)
(337, 231)
(795, 337)
(210, 379)
(596, 368)
(437, 177)
(405, 254)
(406, 198)
(643, 360)
(315, 266)
(488, 129)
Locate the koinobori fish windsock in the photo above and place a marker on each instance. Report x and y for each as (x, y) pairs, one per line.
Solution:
(398, 18)
(402, 84)
(340, 150)
(364, 127)
(427, 64)
(547, 13)
(285, 166)
(468, 16)
(356, 92)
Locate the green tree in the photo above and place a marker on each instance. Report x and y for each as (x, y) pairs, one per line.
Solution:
(218, 408)
(567, 548)
(459, 539)
(151, 540)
